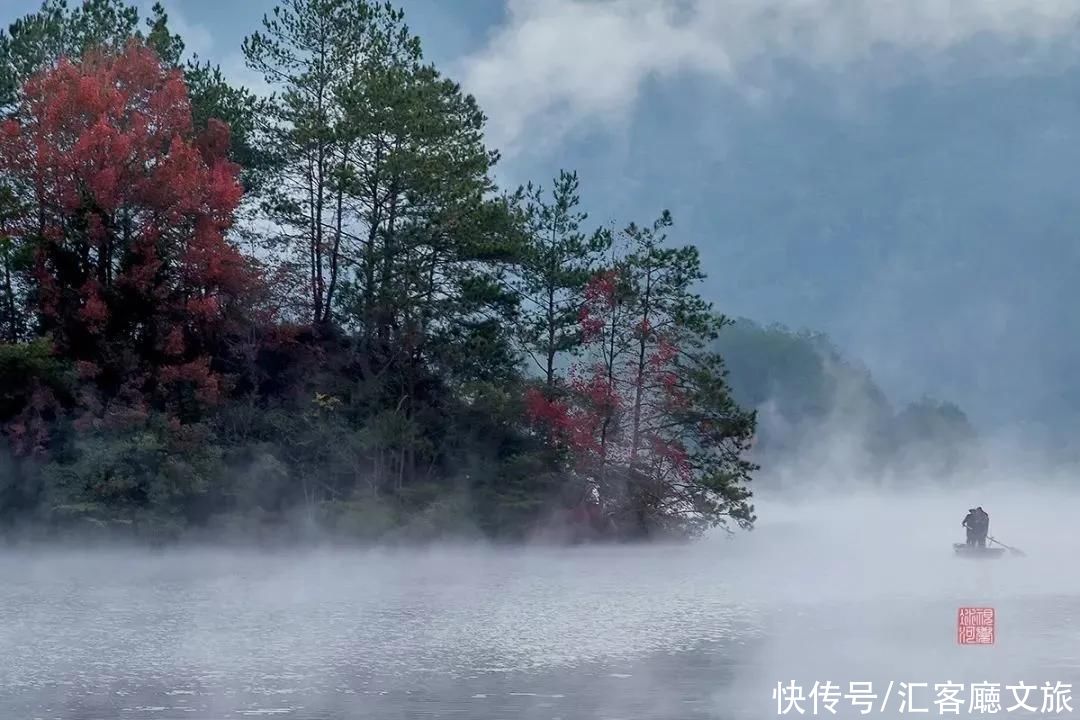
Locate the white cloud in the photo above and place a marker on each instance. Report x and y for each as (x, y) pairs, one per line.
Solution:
(557, 63)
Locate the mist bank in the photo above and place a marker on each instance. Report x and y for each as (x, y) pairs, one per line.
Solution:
(820, 412)
(824, 432)
(842, 585)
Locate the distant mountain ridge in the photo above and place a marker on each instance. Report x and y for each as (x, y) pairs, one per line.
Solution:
(816, 407)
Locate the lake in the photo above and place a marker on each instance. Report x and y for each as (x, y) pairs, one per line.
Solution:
(853, 589)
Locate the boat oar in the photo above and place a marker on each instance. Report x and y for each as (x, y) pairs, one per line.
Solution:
(1013, 550)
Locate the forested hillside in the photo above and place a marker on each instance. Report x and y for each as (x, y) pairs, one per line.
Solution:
(815, 408)
(316, 312)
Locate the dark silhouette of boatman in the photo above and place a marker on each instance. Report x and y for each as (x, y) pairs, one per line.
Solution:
(982, 529)
(977, 523)
(970, 523)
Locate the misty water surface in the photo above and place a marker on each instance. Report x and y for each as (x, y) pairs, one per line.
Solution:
(841, 589)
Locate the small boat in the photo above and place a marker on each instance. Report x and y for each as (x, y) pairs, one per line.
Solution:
(974, 551)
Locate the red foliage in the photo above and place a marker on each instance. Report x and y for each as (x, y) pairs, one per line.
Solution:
(174, 343)
(619, 408)
(601, 288)
(540, 409)
(600, 298)
(93, 313)
(129, 209)
(571, 426)
(197, 374)
(28, 432)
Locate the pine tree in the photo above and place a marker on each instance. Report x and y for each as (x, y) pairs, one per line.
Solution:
(558, 261)
(651, 422)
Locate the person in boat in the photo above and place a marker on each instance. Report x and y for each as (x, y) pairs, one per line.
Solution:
(971, 524)
(982, 526)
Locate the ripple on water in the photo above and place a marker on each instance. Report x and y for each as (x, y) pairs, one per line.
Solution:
(216, 634)
(212, 625)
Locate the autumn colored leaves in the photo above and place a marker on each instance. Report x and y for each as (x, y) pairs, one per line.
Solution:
(397, 286)
(127, 210)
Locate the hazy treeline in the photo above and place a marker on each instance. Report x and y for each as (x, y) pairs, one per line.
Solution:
(235, 312)
(812, 404)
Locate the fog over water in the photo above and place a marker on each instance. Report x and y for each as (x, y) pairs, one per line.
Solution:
(840, 586)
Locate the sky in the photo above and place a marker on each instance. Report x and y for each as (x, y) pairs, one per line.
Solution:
(900, 175)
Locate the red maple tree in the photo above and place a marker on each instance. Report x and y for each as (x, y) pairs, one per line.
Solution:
(616, 416)
(127, 209)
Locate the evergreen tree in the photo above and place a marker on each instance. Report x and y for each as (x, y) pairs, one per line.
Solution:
(375, 379)
(558, 261)
(652, 423)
